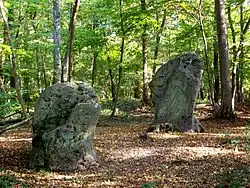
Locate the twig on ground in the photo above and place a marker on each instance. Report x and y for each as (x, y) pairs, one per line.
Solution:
(8, 127)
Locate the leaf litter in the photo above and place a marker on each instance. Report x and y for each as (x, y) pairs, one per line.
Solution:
(125, 160)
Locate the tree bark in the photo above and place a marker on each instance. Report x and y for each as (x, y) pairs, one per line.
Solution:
(38, 71)
(226, 110)
(158, 38)
(136, 86)
(216, 73)
(94, 66)
(145, 96)
(234, 63)
(2, 61)
(71, 38)
(120, 62)
(56, 37)
(241, 54)
(112, 83)
(238, 55)
(207, 64)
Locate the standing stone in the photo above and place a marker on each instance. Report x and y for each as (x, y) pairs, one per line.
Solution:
(175, 87)
(64, 125)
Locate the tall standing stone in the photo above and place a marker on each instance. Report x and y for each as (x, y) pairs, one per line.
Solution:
(175, 87)
(64, 125)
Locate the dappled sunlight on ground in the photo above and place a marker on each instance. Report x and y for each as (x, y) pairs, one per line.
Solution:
(11, 139)
(126, 160)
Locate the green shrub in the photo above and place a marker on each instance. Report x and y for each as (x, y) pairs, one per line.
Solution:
(8, 181)
(235, 178)
(8, 103)
(125, 105)
(149, 185)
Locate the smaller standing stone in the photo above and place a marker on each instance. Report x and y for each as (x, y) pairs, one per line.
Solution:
(64, 125)
(175, 87)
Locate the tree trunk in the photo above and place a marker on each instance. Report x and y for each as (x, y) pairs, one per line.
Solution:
(158, 38)
(119, 78)
(145, 96)
(226, 110)
(71, 38)
(95, 55)
(207, 64)
(234, 63)
(38, 71)
(112, 83)
(241, 54)
(13, 57)
(44, 76)
(65, 66)
(93, 71)
(136, 87)
(238, 55)
(216, 73)
(2, 61)
(56, 37)
(120, 62)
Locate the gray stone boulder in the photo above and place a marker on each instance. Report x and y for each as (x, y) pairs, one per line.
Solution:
(64, 125)
(175, 87)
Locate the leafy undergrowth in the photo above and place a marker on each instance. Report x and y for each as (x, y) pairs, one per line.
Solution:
(216, 158)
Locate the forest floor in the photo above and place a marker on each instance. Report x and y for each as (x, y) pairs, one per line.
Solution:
(216, 158)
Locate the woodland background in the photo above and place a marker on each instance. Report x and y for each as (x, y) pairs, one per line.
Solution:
(116, 46)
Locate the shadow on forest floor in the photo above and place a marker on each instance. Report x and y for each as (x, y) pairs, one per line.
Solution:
(215, 158)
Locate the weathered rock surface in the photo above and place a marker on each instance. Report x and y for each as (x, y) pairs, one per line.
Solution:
(175, 87)
(63, 127)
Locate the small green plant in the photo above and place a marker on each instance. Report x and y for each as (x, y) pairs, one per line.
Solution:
(8, 103)
(229, 140)
(236, 178)
(44, 172)
(149, 185)
(247, 138)
(8, 181)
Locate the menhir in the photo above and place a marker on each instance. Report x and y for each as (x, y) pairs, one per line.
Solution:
(64, 125)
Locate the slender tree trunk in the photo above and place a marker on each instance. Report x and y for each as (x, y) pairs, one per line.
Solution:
(13, 57)
(71, 38)
(38, 71)
(238, 54)
(46, 83)
(112, 83)
(158, 38)
(65, 66)
(3, 58)
(94, 66)
(136, 86)
(226, 110)
(120, 62)
(145, 96)
(234, 63)
(207, 64)
(56, 36)
(216, 73)
(119, 78)
(241, 53)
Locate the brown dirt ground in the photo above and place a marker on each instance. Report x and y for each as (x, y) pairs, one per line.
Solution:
(125, 160)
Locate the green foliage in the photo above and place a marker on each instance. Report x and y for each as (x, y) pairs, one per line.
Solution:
(235, 178)
(125, 105)
(98, 30)
(8, 103)
(247, 138)
(149, 185)
(8, 181)
(44, 172)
